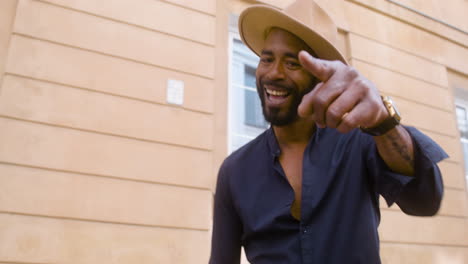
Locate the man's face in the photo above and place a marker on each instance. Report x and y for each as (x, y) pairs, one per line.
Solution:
(281, 80)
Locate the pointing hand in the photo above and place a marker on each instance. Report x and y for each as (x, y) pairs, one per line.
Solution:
(344, 99)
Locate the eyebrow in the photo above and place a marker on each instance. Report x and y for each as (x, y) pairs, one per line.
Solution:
(266, 52)
(287, 54)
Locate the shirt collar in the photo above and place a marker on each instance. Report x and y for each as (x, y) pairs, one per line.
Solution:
(273, 142)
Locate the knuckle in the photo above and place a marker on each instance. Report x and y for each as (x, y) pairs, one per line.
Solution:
(341, 85)
(344, 126)
(352, 72)
(361, 82)
(338, 63)
(334, 114)
(319, 100)
(325, 68)
(347, 124)
(362, 86)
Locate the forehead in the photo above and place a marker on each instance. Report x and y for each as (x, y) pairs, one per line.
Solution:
(276, 38)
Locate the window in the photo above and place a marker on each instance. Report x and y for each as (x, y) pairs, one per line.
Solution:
(459, 84)
(462, 122)
(245, 116)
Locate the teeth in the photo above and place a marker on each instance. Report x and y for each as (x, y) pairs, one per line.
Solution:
(276, 93)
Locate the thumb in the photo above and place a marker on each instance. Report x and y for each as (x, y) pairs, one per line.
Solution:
(322, 69)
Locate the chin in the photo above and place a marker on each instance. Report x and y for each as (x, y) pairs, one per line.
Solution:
(279, 119)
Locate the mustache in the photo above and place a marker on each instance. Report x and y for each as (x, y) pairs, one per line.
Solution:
(277, 84)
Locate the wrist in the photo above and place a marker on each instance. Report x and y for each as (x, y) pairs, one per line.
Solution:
(389, 123)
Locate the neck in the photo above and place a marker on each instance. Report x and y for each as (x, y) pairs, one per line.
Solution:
(297, 133)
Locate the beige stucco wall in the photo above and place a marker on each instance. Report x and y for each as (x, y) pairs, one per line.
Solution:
(96, 166)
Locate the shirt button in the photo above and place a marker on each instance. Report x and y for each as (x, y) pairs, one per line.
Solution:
(304, 231)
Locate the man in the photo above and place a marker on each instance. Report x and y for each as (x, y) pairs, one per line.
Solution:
(307, 190)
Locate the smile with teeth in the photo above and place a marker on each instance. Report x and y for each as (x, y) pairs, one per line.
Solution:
(276, 92)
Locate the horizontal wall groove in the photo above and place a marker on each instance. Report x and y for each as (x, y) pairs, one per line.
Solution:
(422, 244)
(398, 49)
(398, 72)
(461, 189)
(128, 23)
(182, 6)
(432, 131)
(428, 16)
(16, 262)
(418, 102)
(452, 161)
(395, 209)
(108, 93)
(111, 55)
(105, 222)
(103, 133)
(105, 176)
(412, 24)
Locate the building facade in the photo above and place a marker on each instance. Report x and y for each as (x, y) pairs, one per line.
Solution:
(115, 116)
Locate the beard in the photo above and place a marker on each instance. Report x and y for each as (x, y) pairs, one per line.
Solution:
(275, 115)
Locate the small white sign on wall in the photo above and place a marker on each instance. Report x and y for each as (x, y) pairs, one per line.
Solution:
(175, 92)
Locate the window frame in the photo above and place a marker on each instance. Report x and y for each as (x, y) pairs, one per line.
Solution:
(232, 86)
(462, 103)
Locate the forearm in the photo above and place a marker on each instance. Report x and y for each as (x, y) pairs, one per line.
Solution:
(396, 148)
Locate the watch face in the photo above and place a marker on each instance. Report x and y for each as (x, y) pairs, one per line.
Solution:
(392, 110)
(397, 115)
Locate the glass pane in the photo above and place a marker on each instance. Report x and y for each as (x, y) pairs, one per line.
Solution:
(461, 121)
(253, 111)
(465, 154)
(253, 107)
(249, 77)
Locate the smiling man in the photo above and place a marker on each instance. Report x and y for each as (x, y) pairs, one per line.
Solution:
(307, 190)
(281, 96)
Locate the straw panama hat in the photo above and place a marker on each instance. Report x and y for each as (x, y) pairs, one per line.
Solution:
(303, 18)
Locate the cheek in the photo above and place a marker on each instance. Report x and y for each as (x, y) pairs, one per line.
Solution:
(259, 72)
(305, 83)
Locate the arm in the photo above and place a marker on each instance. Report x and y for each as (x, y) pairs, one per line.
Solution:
(422, 196)
(345, 100)
(405, 165)
(396, 148)
(227, 228)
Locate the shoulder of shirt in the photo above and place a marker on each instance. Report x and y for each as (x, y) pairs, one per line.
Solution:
(254, 148)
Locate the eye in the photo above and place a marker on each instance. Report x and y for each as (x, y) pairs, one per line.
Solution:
(293, 64)
(266, 59)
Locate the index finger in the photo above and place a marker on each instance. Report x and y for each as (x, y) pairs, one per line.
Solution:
(322, 69)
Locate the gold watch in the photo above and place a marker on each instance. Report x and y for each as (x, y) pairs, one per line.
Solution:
(390, 122)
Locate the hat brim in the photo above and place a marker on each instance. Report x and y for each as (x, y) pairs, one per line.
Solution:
(256, 20)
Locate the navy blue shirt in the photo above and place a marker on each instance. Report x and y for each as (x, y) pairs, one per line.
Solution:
(343, 176)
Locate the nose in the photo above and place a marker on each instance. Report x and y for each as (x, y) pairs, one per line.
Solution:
(276, 71)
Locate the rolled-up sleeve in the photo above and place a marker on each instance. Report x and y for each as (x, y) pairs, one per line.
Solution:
(227, 228)
(419, 195)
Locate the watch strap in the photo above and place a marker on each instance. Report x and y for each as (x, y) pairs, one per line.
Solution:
(382, 128)
(389, 123)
